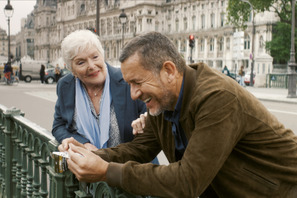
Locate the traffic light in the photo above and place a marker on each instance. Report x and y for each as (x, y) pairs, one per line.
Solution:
(191, 41)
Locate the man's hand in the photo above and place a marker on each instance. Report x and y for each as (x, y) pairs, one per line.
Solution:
(65, 144)
(87, 166)
(139, 124)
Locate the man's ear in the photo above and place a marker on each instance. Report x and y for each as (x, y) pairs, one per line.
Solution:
(169, 71)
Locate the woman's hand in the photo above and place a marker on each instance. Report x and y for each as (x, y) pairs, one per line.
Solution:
(90, 147)
(65, 144)
(139, 124)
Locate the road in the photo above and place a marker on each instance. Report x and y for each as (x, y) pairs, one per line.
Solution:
(286, 113)
(37, 101)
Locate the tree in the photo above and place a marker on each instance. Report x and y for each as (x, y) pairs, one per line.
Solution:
(280, 45)
(239, 11)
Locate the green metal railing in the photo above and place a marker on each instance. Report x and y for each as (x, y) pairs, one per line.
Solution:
(27, 168)
(277, 80)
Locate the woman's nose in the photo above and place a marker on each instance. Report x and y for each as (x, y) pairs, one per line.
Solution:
(91, 63)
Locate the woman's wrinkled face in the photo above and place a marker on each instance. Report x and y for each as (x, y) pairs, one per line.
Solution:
(88, 65)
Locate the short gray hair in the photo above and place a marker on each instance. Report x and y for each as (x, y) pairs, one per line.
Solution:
(78, 41)
(153, 50)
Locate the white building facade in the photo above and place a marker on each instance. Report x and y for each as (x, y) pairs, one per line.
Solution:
(205, 19)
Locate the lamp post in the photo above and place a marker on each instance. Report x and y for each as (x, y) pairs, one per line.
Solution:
(123, 20)
(8, 11)
(253, 41)
(292, 64)
(98, 17)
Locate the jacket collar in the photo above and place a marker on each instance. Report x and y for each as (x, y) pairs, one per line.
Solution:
(190, 77)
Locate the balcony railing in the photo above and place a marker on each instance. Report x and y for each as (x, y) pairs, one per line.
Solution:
(27, 168)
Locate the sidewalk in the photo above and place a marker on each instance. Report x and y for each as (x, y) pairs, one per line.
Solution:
(272, 94)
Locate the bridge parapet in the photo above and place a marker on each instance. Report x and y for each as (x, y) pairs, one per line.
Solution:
(27, 168)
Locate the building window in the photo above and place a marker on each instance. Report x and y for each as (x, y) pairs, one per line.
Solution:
(261, 42)
(222, 19)
(183, 46)
(247, 42)
(221, 44)
(140, 25)
(193, 22)
(202, 21)
(185, 23)
(263, 68)
(177, 25)
(169, 27)
(202, 45)
(211, 45)
(228, 43)
(157, 26)
(212, 20)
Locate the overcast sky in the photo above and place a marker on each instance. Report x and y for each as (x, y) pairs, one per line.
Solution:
(21, 9)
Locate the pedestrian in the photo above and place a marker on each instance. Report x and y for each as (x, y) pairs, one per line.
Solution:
(8, 71)
(220, 140)
(226, 71)
(57, 73)
(241, 74)
(42, 73)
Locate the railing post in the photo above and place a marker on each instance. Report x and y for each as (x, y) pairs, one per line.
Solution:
(43, 191)
(2, 160)
(30, 173)
(24, 171)
(14, 164)
(36, 180)
(18, 155)
(8, 114)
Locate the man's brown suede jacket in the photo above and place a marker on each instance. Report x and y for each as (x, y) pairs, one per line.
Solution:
(234, 144)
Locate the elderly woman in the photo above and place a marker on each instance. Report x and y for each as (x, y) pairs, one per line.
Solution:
(94, 105)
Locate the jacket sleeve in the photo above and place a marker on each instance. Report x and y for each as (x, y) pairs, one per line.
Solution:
(61, 122)
(190, 176)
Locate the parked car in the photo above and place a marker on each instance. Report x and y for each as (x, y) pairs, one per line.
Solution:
(49, 77)
(29, 70)
(247, 78)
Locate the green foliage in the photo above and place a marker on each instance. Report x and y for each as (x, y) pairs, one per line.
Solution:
(280, 45)
(239, 11)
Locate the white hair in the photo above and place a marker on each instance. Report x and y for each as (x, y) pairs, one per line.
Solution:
(77, 42)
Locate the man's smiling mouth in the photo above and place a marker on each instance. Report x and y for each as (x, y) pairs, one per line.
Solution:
(147, 100)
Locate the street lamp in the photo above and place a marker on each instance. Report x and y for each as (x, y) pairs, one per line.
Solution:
(8, 11)
(98, 17)
(253, 41)
(123, 20)
(292, 64)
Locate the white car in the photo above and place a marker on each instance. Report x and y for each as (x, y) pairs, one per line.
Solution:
(247, 78)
